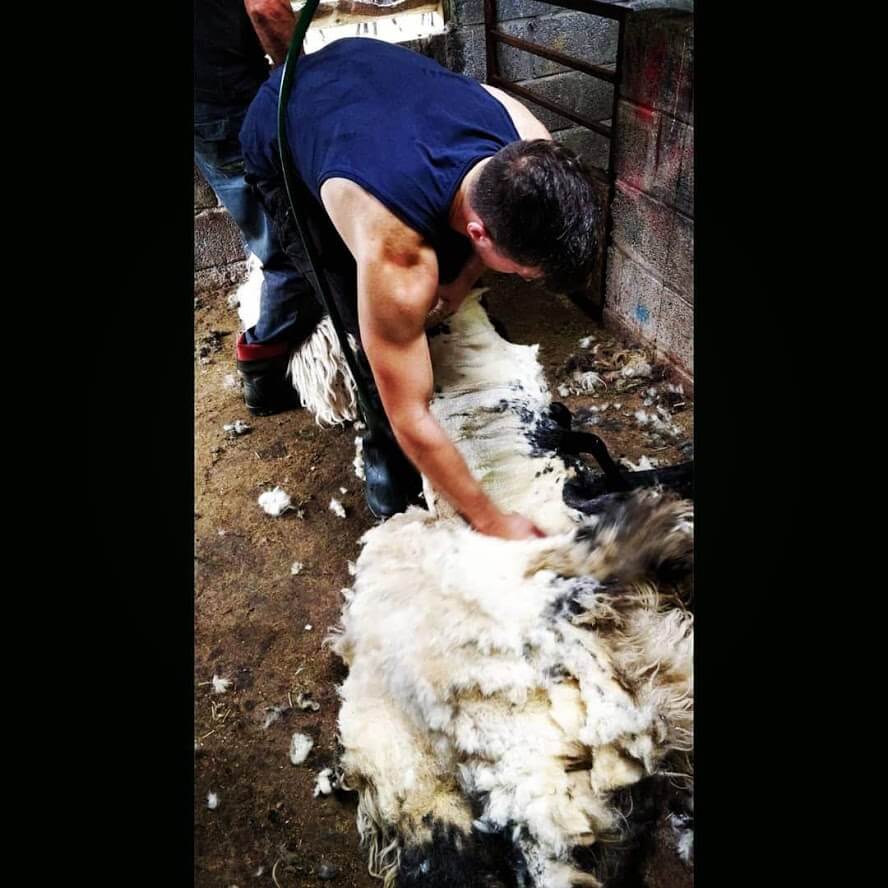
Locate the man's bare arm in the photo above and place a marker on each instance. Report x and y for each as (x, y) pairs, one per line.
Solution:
(393, 301)
(528, 125)
(273, 21)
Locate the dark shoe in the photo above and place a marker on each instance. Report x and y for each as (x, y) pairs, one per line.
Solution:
(263, 370)
(391, 483)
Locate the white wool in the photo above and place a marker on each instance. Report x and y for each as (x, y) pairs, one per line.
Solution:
(272, 714)
(248, 296)
(359, 457)
(586, 341)
(308, 627)
(686, 845)
(300, 747)
(304, 703)
(317, 368)
(212, 801)
(320, 374)
(582, 384)
(428, 627)
(324, 783)
(220, 685)
(275, 502)
(237, 428)
(643, 465)
(337, 508)
(352, 568)
(637, 368)
(343, 490)
(684, 837)
(588, 381)
(659, 422)
(296, 568)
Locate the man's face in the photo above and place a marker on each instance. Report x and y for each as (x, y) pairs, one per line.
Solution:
(494, 259)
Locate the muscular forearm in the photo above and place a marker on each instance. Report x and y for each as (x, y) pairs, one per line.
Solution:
(427, 446)
(273, 21)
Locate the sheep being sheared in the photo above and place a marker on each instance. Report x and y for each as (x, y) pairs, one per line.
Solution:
(506, 698)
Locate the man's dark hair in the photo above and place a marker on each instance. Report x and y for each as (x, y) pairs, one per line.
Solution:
(537, 201)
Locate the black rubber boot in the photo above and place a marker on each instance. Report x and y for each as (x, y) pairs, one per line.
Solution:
(391, 483)
(263, 371)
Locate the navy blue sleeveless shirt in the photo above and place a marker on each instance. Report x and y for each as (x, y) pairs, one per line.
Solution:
(396, 123)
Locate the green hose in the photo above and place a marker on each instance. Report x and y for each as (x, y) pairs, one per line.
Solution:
(299, 32)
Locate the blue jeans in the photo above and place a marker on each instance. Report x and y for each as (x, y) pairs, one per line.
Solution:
(288, 310)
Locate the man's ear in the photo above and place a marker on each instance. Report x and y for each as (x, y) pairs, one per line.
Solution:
(478, 234)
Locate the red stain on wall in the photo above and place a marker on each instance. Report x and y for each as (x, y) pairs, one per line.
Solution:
(652, 72)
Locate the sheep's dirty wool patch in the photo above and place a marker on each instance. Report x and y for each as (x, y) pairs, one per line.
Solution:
(510, 705)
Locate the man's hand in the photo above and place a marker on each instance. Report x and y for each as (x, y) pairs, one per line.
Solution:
(510, 526)
(274, 23)
(450, 296)
(438, 315)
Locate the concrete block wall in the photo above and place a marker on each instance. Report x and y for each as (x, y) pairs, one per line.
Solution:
(650, 280)
(219, 252)
(590, 38)
(586, 37)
